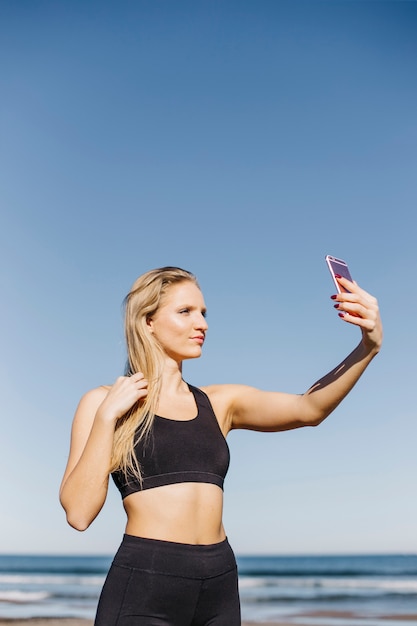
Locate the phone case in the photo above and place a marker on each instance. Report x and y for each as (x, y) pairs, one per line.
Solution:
(338, 266)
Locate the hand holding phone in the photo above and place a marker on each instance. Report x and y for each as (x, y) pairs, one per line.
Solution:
(338, 266)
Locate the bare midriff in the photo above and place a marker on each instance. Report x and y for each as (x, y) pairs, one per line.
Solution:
(184, 513)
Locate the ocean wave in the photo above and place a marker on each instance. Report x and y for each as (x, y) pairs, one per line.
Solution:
(23, 597)
(51, 580)
(326, 590)
(35, 585)
(301, 573)
(392, 585)
(58, 565)
(330, 566)
(327, 598)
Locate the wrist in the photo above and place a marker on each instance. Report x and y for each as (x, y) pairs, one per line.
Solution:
(106, 415)
(370, 349)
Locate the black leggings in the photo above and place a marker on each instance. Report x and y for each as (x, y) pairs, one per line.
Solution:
(162, 583)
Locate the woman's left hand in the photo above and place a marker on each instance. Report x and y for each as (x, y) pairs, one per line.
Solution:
(358, 307)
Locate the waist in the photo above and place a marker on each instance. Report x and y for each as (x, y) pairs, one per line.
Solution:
(168, 557)
(185, 513)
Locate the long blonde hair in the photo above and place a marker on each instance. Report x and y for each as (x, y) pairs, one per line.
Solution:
(143, 355)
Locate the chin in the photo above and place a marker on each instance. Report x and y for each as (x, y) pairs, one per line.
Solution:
(194, 355)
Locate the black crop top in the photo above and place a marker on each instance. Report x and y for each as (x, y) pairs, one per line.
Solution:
(180, 451)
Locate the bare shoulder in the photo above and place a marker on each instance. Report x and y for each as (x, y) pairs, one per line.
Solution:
(95, 395)
(225, 392)
(223, 400)
(90, 402)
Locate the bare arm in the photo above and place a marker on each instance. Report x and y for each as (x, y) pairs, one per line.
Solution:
(85, 482)
(250, 408)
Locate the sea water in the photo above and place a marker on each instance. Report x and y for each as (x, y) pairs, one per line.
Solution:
(322, 590)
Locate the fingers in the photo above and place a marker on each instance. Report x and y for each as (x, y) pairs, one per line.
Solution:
(138, 379)
(360, 308)
(135, 376)
(355, 297)
(138, 382)
(356, 304)
(124, 393)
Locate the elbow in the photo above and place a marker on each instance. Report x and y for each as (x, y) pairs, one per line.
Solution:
(316, 422)
(77, 519)
(314, 419)
(317, 418)
(77, 524)
(313, 414)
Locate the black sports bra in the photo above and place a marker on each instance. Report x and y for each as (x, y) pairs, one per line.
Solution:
(180, 451)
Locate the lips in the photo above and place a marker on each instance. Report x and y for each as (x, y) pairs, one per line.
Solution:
(199, 339)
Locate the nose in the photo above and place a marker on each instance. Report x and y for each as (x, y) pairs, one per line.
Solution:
(201, 323)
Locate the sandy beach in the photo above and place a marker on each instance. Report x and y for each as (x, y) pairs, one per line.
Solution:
(86, 622)
(83, 622)
(409, 619)
(326, 615)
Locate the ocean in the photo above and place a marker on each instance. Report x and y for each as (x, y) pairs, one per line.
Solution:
(318, 590)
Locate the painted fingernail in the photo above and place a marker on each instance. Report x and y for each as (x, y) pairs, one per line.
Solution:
(341, 314)
(333, 297)
(336, 306)
(338, 276)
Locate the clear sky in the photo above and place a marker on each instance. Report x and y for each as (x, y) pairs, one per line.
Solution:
(242, 140)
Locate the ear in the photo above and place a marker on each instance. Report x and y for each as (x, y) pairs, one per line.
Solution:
(149, 323)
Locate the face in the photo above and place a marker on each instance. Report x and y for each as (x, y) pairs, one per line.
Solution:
(179, 324)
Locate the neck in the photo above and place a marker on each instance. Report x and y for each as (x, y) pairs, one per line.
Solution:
(172, 382)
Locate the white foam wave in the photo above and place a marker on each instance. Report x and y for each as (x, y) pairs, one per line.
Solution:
(396, 586)
(251, 582)
(22, 597)
(20, 579)
(406, 586)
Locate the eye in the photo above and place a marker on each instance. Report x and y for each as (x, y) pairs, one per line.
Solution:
(184, 311)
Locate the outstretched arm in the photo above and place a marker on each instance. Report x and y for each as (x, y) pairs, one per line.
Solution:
(250, 408)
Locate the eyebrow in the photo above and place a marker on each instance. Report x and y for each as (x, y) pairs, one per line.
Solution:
(190, 306)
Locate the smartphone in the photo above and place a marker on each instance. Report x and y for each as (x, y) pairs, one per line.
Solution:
(338, 266)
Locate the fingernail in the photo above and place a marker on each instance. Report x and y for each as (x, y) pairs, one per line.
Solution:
(341, 314)
(338, 276)
(333, 297)
(336, 306)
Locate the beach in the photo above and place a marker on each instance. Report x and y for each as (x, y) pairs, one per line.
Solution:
(72, 622)
(85, 622)
(35, 621)
(78, 622)
(383, 620)
(81, 622)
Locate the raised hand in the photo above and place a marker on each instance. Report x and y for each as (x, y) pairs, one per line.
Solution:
(356, 306)
(122, 395)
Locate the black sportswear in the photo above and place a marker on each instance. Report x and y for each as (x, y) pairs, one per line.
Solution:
(180, 451)
(162, 583)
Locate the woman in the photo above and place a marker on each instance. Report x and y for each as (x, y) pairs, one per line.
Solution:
(164, 443)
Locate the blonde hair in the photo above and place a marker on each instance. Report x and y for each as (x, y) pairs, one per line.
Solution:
(143, 355)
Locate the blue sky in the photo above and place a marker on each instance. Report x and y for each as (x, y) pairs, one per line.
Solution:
(242, 140)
